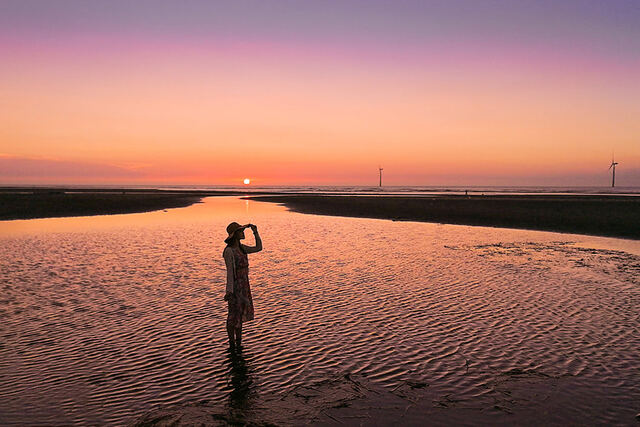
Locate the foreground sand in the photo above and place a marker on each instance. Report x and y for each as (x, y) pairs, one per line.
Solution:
(527, 398)
(616, 216)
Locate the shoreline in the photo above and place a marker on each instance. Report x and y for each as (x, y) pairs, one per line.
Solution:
(595, 215)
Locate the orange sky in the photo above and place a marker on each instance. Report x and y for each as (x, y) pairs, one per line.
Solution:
(98, 109)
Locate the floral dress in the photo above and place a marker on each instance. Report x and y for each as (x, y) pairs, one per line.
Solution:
(241, 303)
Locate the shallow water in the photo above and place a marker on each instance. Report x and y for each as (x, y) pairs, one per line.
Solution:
(107, 317)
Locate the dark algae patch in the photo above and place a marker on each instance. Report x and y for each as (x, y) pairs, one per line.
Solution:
(522, 396)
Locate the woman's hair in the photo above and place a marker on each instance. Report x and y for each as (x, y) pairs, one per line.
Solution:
(233, 240)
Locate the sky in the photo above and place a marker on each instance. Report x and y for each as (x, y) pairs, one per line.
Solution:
(456, 92)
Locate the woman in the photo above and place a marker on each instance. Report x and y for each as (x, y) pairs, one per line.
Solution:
(238, 294)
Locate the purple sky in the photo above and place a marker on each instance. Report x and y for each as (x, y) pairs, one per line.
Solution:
(610, 26)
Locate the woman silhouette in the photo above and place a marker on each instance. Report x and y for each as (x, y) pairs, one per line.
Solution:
(238, 293)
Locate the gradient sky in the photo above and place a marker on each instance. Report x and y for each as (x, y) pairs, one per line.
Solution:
(319, 92)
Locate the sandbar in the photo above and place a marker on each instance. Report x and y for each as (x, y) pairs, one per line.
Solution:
(599, 215)
(28, 203)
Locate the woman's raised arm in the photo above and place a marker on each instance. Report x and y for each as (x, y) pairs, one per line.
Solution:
(258, 246)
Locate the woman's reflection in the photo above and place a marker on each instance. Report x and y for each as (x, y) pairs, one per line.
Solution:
(240, 383)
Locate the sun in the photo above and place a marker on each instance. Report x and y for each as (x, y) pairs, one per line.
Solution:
(247, 181)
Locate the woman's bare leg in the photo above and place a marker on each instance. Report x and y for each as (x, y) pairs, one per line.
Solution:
(239, 336)
(230, 332)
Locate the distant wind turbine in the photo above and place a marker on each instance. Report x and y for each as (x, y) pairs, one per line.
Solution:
(380, 171)
(613, 177)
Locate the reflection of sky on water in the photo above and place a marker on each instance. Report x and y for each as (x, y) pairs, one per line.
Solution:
(225, 209)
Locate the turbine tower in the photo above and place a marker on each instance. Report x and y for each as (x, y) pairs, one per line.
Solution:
(613, 176)
(380, 171)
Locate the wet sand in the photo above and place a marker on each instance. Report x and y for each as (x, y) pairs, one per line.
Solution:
(524, 398)
(117, 319)
(614, 216)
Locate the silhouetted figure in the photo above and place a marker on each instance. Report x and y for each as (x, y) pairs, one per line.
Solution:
(238, 293)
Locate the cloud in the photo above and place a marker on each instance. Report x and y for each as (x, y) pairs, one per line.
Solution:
(28, 169)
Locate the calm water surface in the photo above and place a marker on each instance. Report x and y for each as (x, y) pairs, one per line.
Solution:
(104, 318)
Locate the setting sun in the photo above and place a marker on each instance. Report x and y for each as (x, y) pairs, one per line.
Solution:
(247, 181)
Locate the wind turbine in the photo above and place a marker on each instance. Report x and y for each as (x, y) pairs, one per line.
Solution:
(380, 171)
(613, 177)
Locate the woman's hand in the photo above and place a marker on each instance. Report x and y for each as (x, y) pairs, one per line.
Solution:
(254, 228)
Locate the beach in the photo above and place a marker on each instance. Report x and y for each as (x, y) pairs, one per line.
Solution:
(120, 320)
(616, 216)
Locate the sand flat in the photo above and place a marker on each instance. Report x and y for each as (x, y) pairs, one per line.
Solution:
(106, 322)
(616, 216)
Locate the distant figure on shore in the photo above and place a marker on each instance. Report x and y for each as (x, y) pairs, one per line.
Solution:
(238, 292)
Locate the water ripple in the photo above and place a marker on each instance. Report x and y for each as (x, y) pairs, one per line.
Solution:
(102, 325)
